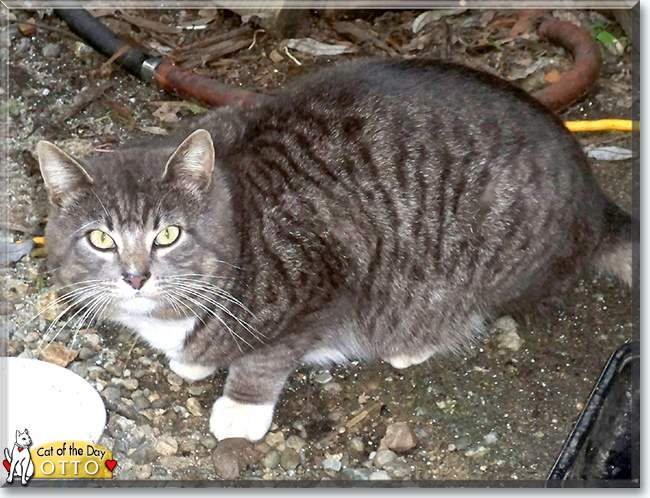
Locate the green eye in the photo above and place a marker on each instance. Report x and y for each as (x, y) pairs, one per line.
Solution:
(101, 240)
(167, 236)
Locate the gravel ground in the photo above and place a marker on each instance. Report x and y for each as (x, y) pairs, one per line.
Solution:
(500, 411)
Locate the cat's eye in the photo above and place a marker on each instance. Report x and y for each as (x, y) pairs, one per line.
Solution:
(101, 240)
(167, 236)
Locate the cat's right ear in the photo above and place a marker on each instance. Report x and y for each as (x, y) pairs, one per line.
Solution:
(191, 165)
(65, 179)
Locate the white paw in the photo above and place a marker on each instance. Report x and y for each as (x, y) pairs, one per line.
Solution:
(405, 361)
(189, 371)
(232, 419)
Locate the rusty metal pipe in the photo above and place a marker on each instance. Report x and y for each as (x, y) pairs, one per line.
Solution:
(581, 76)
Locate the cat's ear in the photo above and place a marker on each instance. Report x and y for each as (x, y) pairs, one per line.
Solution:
(64, 177)
(191, 165)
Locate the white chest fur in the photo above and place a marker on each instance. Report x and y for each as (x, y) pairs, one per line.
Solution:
(165, 335)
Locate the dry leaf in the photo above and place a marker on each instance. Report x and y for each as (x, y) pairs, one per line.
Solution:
(58, 354)
(552, 76)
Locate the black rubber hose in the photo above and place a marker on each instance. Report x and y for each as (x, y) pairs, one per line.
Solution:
(102, 39)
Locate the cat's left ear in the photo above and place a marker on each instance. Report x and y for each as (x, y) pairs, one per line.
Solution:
(191, 165)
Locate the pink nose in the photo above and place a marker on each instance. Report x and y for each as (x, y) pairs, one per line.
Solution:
(136, 281)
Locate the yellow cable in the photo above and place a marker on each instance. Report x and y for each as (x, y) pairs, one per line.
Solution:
(39, 240)
(604, 124)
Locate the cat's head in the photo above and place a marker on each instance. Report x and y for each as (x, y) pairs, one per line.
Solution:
(134, 231)
(22, 439)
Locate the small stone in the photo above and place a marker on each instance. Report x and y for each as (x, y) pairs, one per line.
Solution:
(114, 369)
(196, 390)
(479, 451)
(271, 459)
(174, 380)
(276, 56)
(142, 471)
(356, 474)
(400, 437)
(289, 459)
(86, 353)
(112, 396)
(383, 457)
(462, 443)
(490, 438)
(323, 377)
(166, 445)
(274, 439)
(333, 387)
(51, 51)
(130, 384)
(379, 475)
(295, 443)
(332, 465)
(91, 340)
(398, 468)
(356, 444)
(194, 406)
(144, 455)
(79, 368)
(210, 442)
(32, 337)
(231, 456)
(58, 354)
(508, 337)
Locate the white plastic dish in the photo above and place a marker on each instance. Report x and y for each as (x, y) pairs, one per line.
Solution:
(51, 402)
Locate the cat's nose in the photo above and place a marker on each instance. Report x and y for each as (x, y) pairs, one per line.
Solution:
(136, 281)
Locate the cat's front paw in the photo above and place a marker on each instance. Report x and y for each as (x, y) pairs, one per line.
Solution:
(189, 371)
(231, 419)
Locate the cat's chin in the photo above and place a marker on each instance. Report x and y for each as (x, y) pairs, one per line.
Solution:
(138, 305)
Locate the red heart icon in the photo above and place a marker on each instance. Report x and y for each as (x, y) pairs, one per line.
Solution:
(7, 466)
(111, 464)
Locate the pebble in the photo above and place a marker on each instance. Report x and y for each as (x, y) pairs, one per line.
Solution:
(194, 406)
(86, 353)
(166, 445)
(274, 439)
(400, 437)
(333, 387)
(271, 460)
(490, 438)
(231, 456)
(462, 443)
(382, 457)
(356, 444)
(508, 337)
(332, 465)
(356, 474)
(142, 471)
(130, 384)
(174, 380)
(79, 368)
(114, 369)
(51, 51)
(289, 459)
(295, 443)
(210, 442)
(144, 455)
(379, 475)
(112, 396)
(398, 468)
(323, 377)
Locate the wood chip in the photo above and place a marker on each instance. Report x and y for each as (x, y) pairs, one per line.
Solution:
(361, 32)
(219, 50)
(58, 354)
(150, 25)
(552, 76)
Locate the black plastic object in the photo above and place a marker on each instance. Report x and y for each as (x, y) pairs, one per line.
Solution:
(604, 447)
(102, 39)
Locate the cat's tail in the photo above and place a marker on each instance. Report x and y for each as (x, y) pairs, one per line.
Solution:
(7, 455)
(620, 242)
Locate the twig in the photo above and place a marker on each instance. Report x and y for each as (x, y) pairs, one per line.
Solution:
(83, 100)
(350, 423)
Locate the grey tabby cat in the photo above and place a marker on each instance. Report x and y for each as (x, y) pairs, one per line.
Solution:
(378, 210)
